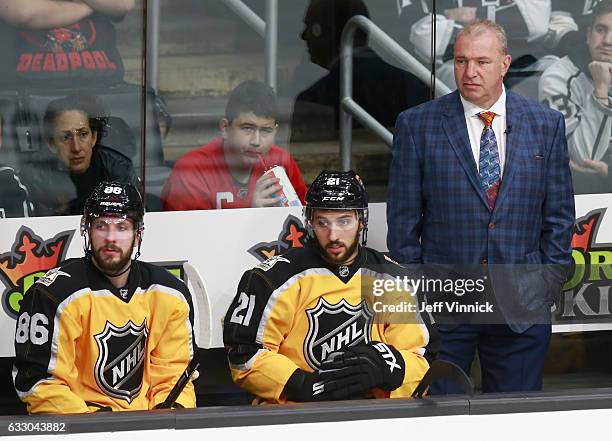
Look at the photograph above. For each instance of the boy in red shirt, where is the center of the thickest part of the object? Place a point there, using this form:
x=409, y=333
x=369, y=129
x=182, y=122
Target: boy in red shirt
x=228, y=171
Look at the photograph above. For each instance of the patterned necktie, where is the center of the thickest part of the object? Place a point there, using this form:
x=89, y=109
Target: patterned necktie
x=488, y=166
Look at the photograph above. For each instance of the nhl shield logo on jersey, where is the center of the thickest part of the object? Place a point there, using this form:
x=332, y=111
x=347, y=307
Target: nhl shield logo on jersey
x=120, y=365
x=333, y=327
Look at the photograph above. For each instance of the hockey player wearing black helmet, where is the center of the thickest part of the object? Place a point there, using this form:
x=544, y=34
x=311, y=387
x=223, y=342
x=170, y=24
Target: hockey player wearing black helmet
x=112, y=226
x=299, y=328
x=336, y=213
x=105, y=331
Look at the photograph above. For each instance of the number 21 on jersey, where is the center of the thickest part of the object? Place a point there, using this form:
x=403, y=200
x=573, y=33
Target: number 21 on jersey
x=243, y=312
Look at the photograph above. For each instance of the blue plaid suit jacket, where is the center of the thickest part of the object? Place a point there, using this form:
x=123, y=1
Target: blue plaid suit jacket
x=437, y=211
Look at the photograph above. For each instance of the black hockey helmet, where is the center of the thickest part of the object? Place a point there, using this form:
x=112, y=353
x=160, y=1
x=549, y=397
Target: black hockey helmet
x=338, y=190
x=114, y=198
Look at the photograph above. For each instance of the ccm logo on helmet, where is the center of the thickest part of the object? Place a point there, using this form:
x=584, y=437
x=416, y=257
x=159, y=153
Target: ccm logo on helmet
x=333, y=198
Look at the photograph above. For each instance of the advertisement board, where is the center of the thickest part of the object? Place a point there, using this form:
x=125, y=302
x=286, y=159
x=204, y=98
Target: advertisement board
x=222, y=244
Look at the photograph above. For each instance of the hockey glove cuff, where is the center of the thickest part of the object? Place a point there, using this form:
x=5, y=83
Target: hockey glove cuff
x=305, y=386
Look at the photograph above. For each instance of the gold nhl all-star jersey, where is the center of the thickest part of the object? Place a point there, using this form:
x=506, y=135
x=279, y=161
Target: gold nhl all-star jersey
x=293, y=310
x=81, y=344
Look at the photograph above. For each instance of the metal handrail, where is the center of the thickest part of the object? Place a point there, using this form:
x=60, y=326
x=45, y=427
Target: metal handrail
x=247, y=15
x=267, y=29
x=271, y=40
x=152, y=36
x=348, y=107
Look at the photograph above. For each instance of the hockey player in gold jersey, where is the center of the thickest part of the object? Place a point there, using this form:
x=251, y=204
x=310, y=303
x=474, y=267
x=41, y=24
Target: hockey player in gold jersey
x=105, y=331
x=300, y=328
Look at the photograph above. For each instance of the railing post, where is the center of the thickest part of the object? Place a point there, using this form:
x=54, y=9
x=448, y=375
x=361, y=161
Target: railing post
x=267, y=29
x=346, y=91
x=348, y=107
x=271, y=41
x=152, y=54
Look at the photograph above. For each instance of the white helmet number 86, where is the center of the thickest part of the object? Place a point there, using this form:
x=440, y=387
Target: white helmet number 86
x=112, y=190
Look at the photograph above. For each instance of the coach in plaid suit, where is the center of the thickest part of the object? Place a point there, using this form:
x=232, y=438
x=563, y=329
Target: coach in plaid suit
x=481, y=176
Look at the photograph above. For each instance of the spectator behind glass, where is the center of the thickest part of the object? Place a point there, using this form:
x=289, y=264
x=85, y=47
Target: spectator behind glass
x=578, y=85
x=60, y=44
x=526, y=22
x=61, y=182
x=381, y=89
x=228, y=171
x=14, y=196
x=568, y=23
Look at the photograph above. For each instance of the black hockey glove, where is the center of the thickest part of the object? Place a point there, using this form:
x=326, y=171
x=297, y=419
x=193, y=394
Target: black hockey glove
x=305, y=386
x=355, y=370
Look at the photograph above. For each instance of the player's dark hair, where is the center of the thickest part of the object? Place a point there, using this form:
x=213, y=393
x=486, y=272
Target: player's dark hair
x=252, y=96
x=602, y=8
x=92, y=106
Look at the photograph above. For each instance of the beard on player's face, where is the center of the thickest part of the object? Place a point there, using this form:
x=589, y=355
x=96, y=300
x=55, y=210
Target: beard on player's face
x=339, y=251
x=345, y=256
x=112, y=264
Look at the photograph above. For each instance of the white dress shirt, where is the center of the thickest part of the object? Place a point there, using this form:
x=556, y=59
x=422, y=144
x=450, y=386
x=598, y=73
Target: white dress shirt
x=475, y=126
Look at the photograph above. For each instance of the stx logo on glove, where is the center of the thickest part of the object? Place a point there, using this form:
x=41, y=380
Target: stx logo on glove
x=388, y=356
x=354, y=371
x=318, y=388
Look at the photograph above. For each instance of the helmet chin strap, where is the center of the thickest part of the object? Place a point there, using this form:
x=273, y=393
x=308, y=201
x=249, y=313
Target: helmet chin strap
x=137, y=255
x=90, y=256
x=127, y=268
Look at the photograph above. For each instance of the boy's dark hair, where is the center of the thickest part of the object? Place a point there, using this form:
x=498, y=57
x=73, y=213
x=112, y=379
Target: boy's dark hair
x=604, y=7
x=252, y=96
x=90, y=105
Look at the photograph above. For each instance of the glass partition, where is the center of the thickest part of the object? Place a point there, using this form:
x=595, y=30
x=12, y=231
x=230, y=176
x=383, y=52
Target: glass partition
x=72, y=87
x=199, y=129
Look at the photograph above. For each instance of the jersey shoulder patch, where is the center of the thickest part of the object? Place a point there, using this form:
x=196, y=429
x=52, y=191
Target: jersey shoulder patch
x=269, y=264
x=278, y=269
x=51, y=275
x=388, y=259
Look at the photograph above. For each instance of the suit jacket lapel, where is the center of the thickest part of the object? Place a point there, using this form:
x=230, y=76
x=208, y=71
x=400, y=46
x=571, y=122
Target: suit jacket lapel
x=454, y=126
x=515, y=121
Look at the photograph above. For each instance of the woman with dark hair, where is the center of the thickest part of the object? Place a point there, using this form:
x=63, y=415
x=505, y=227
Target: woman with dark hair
x=72, y=126
x=72, y=129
